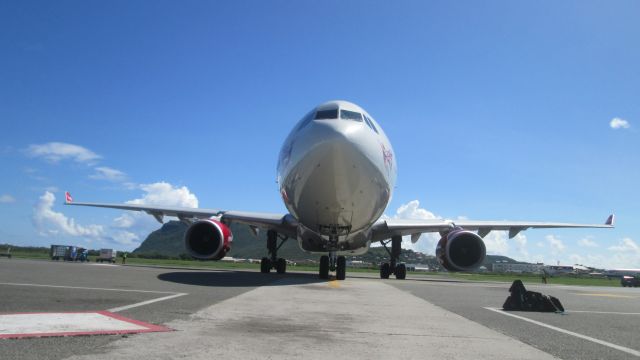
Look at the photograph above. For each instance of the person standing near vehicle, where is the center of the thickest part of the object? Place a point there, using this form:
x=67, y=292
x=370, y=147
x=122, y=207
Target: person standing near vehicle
x=124, y=257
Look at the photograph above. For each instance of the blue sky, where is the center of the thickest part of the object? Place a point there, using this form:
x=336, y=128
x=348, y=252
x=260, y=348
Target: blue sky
x=497, y=110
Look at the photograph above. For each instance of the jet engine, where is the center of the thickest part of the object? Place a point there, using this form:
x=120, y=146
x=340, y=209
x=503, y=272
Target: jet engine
x=461, y=250
x=208, y=239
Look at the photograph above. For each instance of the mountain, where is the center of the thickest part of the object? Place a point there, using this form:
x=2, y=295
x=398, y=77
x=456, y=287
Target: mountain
x=168, y=241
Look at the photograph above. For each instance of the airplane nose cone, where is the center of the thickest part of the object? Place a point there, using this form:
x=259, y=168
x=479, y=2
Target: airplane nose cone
x=333, y=183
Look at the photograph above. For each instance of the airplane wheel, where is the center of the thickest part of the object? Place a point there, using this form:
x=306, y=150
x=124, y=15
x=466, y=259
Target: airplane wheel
x=265, y=265
x=341, y=270
x=385, y=270
x=401, y=271
x=324, y=267
x=281, y=266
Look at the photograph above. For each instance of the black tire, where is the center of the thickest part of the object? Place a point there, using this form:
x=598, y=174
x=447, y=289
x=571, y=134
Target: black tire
x=385, y=270
x=281, y=266
x=401, y=271
x=324, y=267
x=265, y=265
x=341, y=269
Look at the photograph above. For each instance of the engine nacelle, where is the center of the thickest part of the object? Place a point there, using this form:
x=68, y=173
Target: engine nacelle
x=208, y=239
x=461, y=250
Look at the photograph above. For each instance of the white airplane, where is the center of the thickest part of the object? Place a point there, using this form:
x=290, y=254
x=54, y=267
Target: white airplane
x=336, y=174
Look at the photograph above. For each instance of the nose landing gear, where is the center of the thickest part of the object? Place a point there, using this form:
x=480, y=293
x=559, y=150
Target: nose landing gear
x=333, y=263
x=392, y=267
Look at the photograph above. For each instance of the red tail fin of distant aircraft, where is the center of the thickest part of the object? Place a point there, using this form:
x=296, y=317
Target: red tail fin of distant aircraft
x=67, y=197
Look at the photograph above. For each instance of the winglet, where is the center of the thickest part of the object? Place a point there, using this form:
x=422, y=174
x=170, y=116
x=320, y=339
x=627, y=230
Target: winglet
x=67, y=198
x=610, y=220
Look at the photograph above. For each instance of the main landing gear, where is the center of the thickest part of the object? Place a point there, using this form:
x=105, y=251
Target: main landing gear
x=273, y=262
x=333, y=263
x=393, y=267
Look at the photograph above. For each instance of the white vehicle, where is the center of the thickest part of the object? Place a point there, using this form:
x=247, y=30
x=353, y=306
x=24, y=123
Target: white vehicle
x=336, y=174
x=108, y=255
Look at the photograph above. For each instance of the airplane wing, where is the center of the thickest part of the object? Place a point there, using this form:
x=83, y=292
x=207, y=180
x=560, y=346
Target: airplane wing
x=283, y=223
x=386, y=228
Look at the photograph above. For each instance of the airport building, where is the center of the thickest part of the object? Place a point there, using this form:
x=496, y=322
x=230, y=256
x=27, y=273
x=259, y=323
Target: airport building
x=517, y=268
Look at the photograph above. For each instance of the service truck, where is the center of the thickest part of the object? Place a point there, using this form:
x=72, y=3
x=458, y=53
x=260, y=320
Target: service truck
x=108, y=255
x=58, y=252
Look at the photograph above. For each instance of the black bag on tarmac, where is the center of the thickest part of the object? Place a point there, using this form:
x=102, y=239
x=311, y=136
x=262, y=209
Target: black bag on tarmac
x=523, y=300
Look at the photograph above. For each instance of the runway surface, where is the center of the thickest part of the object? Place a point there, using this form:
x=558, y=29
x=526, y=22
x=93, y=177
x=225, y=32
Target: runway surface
x=246, y=314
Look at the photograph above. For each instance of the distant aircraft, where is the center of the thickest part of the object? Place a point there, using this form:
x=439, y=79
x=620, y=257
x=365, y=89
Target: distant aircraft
x=336, y=173
x=621, y=272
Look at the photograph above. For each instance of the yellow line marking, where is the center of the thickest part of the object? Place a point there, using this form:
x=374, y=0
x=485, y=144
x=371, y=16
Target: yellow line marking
x=607, y=295
x=334, y=284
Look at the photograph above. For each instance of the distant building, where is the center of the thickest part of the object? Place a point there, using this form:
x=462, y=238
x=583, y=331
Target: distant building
x=516, y=268
x=357, y=264
x=560, y=269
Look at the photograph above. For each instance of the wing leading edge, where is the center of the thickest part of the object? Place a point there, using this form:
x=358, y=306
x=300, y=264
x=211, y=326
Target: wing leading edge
x=385, y=229
x=283, y=223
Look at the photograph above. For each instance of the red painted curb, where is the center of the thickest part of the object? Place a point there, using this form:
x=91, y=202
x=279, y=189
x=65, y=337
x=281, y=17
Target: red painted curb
x=148, y=327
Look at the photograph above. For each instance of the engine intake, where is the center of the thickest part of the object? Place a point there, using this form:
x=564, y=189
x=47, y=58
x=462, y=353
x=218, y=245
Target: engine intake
x=208, y=239
x=461, y=250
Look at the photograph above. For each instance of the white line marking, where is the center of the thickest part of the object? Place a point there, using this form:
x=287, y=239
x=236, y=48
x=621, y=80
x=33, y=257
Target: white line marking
x=127, y=307
x=601, y=312
x=588, y=338
x=90, y=288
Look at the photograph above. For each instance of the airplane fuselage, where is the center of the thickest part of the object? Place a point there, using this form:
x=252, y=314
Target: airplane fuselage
x=336, y=174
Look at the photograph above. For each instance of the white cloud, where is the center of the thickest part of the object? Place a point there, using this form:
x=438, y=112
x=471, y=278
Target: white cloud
x=520, y=241
x=126, y=238
x=428, y=241
x=50, y=222
x=107, y=173
x=557, y=246
x=626, y=254
x=412, y=210
x=124, y=221
x=125, y=230
x=135, y=226
x=577, y=259
x=165, y=194
x=587, y=242
x=7, y=199
x=497, y=243
x=57, y=151
x=625, y=246
x=617, y=123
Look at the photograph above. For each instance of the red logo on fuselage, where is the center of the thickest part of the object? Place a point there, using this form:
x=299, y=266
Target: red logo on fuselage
x=387, y=156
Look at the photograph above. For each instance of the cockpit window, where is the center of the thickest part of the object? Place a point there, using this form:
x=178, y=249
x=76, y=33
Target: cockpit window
x=326, y=114
x=370, y=123
x=307, y=119
x=350, y=115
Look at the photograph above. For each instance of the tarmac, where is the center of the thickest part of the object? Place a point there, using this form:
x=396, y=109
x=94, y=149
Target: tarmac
x=245, y=314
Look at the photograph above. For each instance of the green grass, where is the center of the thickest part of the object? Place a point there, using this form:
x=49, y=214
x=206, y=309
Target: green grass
x=506, y=278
